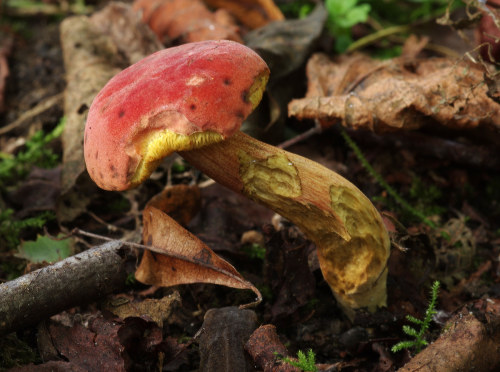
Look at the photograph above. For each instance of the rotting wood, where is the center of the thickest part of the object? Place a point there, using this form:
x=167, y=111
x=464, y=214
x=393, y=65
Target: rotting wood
x=466, y=344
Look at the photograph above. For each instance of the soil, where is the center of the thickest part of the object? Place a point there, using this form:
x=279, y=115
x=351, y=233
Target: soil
x=462, y=254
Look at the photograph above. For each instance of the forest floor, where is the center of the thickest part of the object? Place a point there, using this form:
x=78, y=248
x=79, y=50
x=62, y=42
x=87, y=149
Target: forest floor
x=446, y=229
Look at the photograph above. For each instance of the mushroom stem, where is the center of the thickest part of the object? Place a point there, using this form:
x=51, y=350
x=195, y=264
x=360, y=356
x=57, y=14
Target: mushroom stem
x=353, y=244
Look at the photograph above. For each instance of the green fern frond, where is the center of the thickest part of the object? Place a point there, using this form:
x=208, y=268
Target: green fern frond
x=419, y=341
x=306, y=362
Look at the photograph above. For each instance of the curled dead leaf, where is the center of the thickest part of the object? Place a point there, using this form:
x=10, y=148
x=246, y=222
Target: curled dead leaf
x=186, y=20
x=179, y=257
x=401, y=93
x=252, y=13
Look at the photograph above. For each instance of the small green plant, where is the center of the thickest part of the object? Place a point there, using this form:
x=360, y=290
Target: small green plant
x=297, y=9
x=393, y=193
x=419, y=341
x=306, y=362
x=406, y=12
x=254, y=250
x=342, y=15
x=11, y=228
x=426, y=197
x=35, y=153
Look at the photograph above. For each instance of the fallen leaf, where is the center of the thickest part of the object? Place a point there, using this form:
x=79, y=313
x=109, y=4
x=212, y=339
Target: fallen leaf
x=122, y=24
x=52, y=366
x=157, y=309
x=143, y=341
x=396, y=94
x=181, y=202
x=285, y=46
x=179, y=257
x=93, y=350
x=488, y=31
x=45, y=249
x=94, y=50
x=186, y=21
x=252, y=13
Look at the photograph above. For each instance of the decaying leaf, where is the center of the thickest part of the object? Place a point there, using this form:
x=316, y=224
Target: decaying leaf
x=186, y=259
x=252, y=13
x=94, y=49
x=285, y=46
x=123, y=25
x=488, y=31
x=400, y=93
x=45, y=249
x=186, y=21
x=157, y=309
x=181, y=202
x=93, y=349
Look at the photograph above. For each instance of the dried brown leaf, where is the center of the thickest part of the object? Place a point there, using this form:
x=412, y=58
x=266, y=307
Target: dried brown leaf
x=396, y=94
x=181, y=202
x=179, y=257
x=488, y=31
x=186, y=21
x=157, y=309
x=95, y=49
x=97, y=349
x=252, y=13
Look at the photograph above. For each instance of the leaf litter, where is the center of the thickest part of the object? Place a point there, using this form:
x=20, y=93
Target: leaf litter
x=403, y=94
x=398, y=94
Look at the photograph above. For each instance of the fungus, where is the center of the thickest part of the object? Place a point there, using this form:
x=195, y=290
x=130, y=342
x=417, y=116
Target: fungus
x=193, y=99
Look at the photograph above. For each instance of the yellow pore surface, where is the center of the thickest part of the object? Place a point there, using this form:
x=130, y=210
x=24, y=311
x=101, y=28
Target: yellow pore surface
x=160, y=144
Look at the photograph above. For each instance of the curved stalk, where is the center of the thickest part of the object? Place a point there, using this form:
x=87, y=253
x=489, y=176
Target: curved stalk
x=353, y=244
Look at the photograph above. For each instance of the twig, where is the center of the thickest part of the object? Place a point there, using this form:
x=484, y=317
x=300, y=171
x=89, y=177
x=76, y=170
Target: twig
x=77, y=280
x=301, y=137
x=37, y=110
x=185, y=259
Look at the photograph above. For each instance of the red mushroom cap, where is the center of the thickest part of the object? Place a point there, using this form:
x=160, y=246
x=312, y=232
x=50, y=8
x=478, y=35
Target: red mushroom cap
x=177, y=99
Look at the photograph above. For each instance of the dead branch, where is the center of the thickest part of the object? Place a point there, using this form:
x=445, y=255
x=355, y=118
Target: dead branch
x=77, y=280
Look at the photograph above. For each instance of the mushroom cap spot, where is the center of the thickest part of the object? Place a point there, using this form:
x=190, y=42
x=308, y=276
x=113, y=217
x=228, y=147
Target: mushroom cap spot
x=174, y=93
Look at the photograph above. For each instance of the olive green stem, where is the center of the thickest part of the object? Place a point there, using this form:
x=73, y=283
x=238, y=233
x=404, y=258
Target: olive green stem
x=378, y=35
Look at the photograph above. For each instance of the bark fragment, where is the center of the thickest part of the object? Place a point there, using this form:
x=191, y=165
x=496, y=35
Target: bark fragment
x=224, y=333
x=469, y=342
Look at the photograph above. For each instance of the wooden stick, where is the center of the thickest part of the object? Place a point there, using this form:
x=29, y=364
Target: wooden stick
x=77, y=280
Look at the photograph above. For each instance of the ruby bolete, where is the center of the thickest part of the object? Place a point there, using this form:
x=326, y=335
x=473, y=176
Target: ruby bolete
x=176, y=99
x=192, y=99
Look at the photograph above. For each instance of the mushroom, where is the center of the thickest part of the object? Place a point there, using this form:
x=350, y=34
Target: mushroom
x=192, y=99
